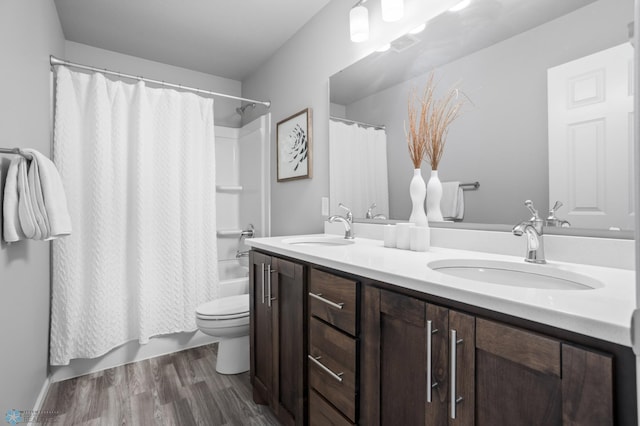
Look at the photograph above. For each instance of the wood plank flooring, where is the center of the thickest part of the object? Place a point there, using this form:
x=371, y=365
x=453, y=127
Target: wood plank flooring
x=177, y=389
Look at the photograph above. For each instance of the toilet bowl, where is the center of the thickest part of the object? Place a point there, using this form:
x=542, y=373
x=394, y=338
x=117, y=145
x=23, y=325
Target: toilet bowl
x=228, y=319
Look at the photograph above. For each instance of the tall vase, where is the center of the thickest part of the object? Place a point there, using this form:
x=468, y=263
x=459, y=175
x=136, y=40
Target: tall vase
x=418, y=191
x=434, y=196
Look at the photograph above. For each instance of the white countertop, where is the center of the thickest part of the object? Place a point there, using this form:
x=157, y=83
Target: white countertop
x=603, y=313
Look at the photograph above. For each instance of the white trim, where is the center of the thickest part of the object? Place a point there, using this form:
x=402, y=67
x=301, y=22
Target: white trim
x=37, y=406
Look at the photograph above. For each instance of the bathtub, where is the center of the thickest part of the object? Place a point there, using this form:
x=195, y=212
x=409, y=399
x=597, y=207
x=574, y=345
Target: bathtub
x=234, y=278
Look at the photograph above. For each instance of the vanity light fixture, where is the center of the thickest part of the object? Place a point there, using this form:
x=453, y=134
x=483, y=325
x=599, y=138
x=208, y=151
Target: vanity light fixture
x=458, y=7
x=392, y=10
x=420, y=28
x=359, y=22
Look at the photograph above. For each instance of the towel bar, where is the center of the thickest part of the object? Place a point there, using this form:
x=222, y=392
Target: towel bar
x=14, y=151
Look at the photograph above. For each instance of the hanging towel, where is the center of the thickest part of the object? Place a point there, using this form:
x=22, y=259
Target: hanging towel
x=11, y=220
x=49, y=214
x=452, y=203
x=35, y=204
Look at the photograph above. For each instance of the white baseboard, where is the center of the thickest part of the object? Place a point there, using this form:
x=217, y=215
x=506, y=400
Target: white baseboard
x=37, y=406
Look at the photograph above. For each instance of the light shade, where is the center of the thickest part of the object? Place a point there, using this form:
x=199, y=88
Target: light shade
x=359, y=24
x=392, y=10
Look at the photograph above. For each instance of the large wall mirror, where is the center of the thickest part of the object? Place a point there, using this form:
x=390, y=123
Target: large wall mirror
x=550, y=116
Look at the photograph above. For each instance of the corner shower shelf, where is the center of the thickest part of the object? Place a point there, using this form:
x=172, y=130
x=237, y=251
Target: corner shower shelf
x=229, y=232
x=228, y=188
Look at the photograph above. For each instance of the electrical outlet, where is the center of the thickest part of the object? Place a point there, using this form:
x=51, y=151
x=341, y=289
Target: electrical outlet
x=325, y=206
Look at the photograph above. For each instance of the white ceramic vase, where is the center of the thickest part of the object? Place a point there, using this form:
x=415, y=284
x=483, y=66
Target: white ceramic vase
x=434, y=197
x=418, y=191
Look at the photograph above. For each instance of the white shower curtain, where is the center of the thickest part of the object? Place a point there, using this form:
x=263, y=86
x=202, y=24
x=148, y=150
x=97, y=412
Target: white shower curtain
x=358, y=175
x=138, y=164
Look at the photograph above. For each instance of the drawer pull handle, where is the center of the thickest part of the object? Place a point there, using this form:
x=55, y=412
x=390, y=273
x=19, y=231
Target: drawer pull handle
x=337, y=376
x=269, y=297
x=455, y=399
x=263, y=280
x=430, y=383
x=327, y=301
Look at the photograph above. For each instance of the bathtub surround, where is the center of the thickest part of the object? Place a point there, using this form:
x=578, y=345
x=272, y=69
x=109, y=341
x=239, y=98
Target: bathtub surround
x=137, y=163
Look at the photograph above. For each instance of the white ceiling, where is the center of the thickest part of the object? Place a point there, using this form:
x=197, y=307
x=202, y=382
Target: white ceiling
x=226, y=38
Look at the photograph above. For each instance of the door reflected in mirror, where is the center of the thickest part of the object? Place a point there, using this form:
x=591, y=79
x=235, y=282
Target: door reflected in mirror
x=550, y=116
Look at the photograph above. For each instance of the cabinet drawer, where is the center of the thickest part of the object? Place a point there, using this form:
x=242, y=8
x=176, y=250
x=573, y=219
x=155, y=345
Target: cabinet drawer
x=321, y=413
x=333, y=299
x=333, y=374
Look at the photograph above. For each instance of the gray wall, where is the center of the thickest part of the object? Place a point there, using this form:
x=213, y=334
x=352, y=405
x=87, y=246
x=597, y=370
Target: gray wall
x=29, y=32
x=224, y=109
x=296, y=77
x=500, y=140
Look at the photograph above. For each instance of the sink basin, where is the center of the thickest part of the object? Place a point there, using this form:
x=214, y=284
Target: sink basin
x=319, y=241
x=515, y=274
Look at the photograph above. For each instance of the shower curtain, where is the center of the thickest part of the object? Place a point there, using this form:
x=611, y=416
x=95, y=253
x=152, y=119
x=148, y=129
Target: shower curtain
x=138, y=164
x=358, y=178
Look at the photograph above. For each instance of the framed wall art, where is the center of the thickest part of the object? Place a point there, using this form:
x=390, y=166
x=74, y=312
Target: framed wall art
x=293, y=146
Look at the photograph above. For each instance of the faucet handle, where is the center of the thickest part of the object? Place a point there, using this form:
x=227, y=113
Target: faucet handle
x=348, y=210
x=534, y=212
x=555, y=208
x=369, y=214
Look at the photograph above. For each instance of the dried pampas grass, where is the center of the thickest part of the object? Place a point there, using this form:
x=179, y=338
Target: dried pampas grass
x=429, y=121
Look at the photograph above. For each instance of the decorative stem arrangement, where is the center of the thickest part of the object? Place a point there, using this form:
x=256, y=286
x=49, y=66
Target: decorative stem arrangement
x=429, y=121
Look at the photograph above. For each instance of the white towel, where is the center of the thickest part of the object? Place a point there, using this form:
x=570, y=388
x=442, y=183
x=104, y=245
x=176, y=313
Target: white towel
x=452, y=203
x=48, y=199
x=12, y=231
x=35, y=205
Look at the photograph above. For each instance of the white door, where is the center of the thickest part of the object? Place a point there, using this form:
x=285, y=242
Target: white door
x=591, y=139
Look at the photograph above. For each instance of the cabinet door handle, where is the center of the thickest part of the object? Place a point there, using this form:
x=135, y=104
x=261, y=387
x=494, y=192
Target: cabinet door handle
x=269, y=272
x=455, y=399
x=337, y=376
x=327, y=301
x=430, y=385
x=263, y=279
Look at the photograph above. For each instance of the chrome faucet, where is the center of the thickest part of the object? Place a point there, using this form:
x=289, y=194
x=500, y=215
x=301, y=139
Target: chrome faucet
x=370, y=215
x=533, y=230
x=553, y=220
x=348, y=215
x=347, y=221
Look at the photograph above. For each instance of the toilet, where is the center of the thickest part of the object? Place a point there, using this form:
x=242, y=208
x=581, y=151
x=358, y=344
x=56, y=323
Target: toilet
x=228, y=319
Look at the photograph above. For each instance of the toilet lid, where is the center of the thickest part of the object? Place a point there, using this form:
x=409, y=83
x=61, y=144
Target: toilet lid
x=225, y=308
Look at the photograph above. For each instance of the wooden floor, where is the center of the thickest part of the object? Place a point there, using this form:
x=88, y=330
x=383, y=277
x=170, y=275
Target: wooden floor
x=177, y=389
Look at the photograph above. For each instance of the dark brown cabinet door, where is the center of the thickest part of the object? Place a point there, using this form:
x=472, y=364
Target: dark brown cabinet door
x=261, y=337
x=527, y=379
x=411, y=364
x=277, y=294
x=288, y=295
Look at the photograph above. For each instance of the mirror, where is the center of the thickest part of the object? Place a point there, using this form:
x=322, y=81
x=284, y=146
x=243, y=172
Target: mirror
x=538, y=126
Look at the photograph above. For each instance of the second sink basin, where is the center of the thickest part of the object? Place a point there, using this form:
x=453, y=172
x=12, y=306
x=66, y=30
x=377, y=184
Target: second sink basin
x=514, y=274
x=318, y=241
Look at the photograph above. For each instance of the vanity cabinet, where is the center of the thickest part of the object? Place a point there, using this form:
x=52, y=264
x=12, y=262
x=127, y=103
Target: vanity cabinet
x=414, y=355
x=332, y=359
x=430, y=365
x=277, y=334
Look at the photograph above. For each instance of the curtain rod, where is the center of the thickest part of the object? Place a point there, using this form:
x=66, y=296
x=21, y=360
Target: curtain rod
x=56, y=61
x=346, y=120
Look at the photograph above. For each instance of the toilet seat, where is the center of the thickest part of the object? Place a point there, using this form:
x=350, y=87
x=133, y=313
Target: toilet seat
x=226, y=308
